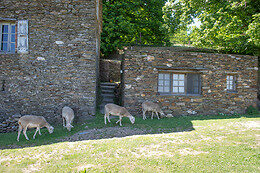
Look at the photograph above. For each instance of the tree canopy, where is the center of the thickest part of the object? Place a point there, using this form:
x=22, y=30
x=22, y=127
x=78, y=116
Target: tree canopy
x=132, y=22
x=229, y=25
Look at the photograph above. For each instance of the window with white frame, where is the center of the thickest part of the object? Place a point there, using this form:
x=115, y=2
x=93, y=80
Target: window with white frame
x=7, y=37
x=164, y=83
x=13, y=36
x=179, y=83
x=231, y=83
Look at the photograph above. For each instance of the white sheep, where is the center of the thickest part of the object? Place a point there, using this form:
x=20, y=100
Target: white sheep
x=67, y=117
x=150, y=106
x=32, y=121
x=116, y=110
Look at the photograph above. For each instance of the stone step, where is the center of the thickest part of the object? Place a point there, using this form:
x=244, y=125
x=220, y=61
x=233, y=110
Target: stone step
x=107, y=92
x=108, y=100
x=107, y=95
x=107, y=84
x=107, y=87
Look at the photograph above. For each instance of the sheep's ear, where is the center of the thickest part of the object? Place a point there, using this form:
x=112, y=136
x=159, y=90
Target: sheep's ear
x=72, y=126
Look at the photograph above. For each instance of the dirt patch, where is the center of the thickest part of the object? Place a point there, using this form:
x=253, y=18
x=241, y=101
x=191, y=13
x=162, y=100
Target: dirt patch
x=108, y=132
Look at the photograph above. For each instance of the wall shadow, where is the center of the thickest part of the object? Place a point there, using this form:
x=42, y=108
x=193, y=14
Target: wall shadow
x=96, y=129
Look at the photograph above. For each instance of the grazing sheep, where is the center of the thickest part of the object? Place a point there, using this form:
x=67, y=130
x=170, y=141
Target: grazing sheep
x=116, y=110
x=32, y=121
x=67, y=116
x=150, y=106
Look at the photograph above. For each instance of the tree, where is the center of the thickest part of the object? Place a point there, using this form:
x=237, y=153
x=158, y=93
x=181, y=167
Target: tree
x=229, y=25
x=132, y=22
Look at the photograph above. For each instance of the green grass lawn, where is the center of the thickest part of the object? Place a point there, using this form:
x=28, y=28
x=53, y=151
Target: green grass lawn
x=180, y=144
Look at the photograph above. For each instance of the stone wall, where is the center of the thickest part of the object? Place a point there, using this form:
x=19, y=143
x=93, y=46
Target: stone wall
x=61, y=66
x=110, y=70
x=142, y=64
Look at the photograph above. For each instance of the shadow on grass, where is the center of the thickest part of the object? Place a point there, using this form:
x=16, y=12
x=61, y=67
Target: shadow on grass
x=95, y=129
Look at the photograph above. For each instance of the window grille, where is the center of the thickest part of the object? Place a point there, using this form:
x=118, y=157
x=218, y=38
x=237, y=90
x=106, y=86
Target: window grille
x=7, y=37
x=231, y=83
x=164, y=83
x=179, y=83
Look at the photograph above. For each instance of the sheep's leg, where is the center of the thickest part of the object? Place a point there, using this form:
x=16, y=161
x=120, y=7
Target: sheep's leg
x=120, y=119
x=63, y=121
x=40, y=131
x=108, y=119
x=144, y=111
x=105, y=118
x=19, y=132
x=152, y=115
x=24, y=132
x=157, y=115
x=35, y=132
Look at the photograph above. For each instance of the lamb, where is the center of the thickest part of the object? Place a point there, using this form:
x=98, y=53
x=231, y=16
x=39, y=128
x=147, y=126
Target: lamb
x=32, y=121
x=116, y=110
x=150, y=106
x=67, y=116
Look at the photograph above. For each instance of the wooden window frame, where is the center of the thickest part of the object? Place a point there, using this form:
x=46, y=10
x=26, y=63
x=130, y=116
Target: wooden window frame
x=185, y=84
x=9, y=41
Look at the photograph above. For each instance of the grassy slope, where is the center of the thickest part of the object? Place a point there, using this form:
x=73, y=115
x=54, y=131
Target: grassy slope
x=215, y=145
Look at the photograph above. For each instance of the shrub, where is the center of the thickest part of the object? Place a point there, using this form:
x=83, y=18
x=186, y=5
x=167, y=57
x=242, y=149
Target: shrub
x=251, y=110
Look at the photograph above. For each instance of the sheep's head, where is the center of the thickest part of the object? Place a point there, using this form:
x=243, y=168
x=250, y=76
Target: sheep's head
x=69, y=126
x=50, y=129
x=132, y=119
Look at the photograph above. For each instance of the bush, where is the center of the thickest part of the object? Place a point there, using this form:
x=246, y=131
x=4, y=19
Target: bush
x=251, y=110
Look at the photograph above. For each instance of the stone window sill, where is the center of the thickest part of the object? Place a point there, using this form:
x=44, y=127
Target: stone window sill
x=169, y=94
x=7, y=53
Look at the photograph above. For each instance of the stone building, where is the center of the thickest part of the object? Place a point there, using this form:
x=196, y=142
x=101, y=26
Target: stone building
x=49, y=54
x=187, y=83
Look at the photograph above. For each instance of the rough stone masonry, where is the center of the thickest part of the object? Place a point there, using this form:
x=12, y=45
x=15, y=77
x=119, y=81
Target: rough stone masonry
x=61, y=64
x=143, y=64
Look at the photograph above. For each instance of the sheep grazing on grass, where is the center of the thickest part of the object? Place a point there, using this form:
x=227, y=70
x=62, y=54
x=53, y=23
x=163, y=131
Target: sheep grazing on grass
x=150, y=106
x=67, y=117
x=116, y=110
x=32, y=121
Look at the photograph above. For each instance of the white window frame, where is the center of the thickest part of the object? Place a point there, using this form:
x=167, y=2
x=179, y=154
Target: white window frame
x=164, y=82
x=178, y=86
x=178, y=83
x=9, y=41
x=231, y=83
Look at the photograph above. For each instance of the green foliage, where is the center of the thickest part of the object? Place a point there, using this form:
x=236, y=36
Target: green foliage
x=232, y=26
x=254, y=30
x=180, y=37
x=132, y=22
x=251, y=110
